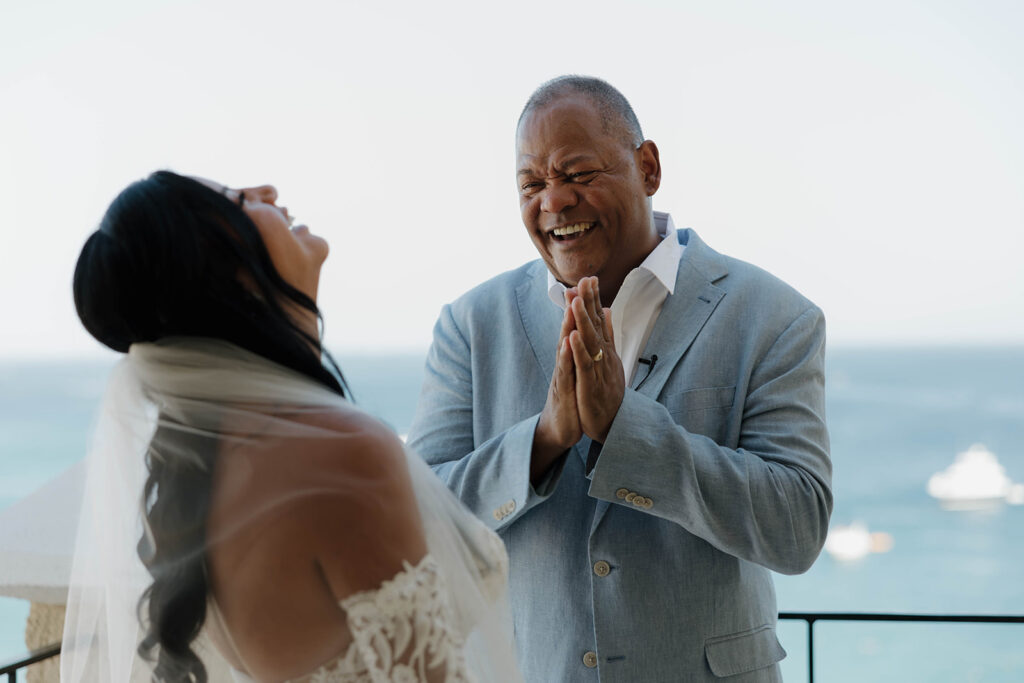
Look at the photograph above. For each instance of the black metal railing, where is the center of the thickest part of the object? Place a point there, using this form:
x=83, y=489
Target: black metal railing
x=811, y=617
x=34, y=656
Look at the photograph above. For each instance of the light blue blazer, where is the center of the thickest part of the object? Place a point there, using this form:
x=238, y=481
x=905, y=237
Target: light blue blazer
x=645, y=559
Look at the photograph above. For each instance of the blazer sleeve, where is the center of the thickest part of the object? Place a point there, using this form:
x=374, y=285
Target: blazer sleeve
x=768, y=500
x=491, y=478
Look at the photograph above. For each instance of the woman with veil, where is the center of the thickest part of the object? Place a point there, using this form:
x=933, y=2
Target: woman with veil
x=240, y=514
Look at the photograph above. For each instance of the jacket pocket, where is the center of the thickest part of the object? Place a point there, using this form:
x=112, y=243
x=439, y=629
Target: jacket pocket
x=700, y=399
x=702, y=411
x=739, y=653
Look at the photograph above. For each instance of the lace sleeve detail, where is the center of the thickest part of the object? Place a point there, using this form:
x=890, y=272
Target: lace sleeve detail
x=404, y=631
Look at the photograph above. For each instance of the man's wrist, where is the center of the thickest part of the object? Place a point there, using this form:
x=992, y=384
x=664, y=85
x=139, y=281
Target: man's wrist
x=545, y=451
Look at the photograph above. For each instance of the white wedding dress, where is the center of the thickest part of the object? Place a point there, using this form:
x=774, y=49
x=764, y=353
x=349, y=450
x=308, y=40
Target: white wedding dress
x=406, y=631
x=444, y=619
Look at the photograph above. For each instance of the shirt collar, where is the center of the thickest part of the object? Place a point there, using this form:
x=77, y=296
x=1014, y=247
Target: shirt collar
x=662, y=263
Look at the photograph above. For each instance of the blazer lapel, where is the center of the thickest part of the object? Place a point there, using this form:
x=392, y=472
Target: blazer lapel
x=682, y=317
x=541, y=318
x=684, y=313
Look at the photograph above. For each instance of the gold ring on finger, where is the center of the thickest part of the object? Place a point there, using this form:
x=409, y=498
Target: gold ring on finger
x=598, y=356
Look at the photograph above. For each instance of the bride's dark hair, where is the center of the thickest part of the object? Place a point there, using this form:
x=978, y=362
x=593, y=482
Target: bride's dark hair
x=171, y=258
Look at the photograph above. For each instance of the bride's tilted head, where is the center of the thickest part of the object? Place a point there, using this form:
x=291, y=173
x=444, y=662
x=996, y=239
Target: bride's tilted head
x=239, y=511
x=178, y=261
x=179, y=256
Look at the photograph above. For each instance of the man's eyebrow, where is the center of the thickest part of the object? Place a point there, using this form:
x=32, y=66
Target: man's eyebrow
x=574, y=160
x=562, y=163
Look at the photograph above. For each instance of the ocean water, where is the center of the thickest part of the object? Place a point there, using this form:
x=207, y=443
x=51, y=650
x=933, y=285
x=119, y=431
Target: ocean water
x=896, y=417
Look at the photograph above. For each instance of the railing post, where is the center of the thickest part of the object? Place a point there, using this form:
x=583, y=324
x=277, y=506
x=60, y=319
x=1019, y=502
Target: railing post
x=810, y=651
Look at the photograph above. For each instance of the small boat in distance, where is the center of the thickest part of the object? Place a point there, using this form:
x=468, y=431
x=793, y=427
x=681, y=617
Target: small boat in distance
x=976, y=480
x=852, y=542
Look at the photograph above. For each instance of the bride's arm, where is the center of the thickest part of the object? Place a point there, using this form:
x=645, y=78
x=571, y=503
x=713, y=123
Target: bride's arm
x=368, y=523
x=373, y=554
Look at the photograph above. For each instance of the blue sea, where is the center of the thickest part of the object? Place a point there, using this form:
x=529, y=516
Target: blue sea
x=896, y=416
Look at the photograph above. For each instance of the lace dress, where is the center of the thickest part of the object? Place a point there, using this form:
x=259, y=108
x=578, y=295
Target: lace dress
x=405, y=631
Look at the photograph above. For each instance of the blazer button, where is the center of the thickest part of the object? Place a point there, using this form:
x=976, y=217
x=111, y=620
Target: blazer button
x=621, y=493
x=590, y=659
x=602, y=568
x=630, y=497
x=497, y=515
x=648, y=503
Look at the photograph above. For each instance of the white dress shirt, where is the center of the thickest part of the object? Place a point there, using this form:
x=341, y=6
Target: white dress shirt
x=639, y=300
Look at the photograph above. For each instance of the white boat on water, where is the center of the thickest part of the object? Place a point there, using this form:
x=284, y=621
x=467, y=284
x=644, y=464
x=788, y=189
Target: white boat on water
x=974, y=481
x=852, y=542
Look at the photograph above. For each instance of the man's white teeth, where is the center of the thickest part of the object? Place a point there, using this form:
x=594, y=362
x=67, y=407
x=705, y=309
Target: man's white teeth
x=572, y=229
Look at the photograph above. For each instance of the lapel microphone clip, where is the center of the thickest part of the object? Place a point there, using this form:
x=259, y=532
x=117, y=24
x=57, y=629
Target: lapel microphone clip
x=649, y=362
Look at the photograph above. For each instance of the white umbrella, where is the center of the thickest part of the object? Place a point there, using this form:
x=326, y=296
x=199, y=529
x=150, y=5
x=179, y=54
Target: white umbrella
x=37, y=539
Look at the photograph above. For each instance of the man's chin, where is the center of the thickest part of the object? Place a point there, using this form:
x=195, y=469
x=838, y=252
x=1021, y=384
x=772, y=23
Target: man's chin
x=569, y=274
x=569, y=280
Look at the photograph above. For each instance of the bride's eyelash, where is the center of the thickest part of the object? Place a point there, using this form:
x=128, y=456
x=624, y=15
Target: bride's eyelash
x=241, y=194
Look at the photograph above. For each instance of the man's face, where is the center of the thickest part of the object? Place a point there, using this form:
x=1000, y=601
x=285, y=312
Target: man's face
x=583, y=192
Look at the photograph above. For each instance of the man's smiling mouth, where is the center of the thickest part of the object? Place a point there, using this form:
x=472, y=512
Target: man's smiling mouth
x=567, y=233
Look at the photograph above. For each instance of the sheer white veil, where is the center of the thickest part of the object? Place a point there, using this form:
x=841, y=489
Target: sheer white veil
x=183, y=403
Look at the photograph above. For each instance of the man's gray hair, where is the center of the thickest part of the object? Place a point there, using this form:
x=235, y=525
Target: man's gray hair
x=613, y=105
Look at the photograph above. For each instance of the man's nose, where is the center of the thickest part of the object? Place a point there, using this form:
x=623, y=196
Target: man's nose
x=558, y=197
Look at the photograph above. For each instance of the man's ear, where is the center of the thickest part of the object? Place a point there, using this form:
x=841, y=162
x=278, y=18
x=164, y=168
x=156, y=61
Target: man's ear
x=649, y=163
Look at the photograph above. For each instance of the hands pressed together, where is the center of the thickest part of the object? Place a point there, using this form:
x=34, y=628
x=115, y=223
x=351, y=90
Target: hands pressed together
x=588, y=382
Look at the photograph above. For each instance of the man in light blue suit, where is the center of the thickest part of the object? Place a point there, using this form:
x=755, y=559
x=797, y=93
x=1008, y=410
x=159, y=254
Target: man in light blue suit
x=640, y=417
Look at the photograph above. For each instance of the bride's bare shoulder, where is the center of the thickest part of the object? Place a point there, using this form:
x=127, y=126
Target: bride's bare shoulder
x=310, y=509
x=302, y=443
x=306, y=462
x=338, y=484
x=353, y=434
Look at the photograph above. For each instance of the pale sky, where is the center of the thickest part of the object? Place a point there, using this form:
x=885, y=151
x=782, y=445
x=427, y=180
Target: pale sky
x=869, y=153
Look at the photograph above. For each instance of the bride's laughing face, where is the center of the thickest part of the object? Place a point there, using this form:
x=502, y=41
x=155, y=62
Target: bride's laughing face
x=296, y=253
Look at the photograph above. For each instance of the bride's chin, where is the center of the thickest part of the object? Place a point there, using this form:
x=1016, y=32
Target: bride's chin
x=319, y=246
